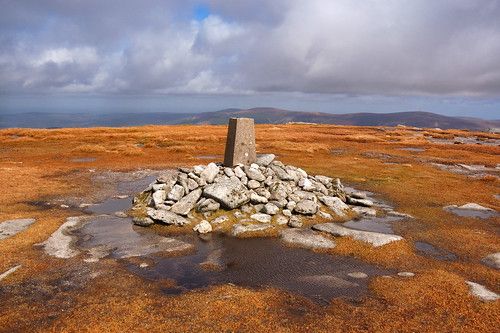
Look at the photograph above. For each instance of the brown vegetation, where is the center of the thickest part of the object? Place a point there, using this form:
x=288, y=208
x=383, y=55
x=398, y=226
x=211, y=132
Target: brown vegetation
x=38, y=165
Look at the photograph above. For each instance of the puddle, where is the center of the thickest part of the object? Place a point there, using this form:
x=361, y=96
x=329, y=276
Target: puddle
x=465, y=140
x=263, y=262
x=474, y=213
x=414, y=149
x=209, y=157
x=434, y=252
x=110, y=206
x=84, y=160
x=375, y=224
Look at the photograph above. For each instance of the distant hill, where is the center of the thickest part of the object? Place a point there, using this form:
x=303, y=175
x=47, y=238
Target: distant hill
x=279, y=116
x=261, y=116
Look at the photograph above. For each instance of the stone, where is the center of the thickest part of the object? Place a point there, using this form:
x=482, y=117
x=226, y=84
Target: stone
x=255, y=174
x=9, y=271
x=359, y=202
x=265, y=159
x=253, y=184
x=59, y=243
x=492, y=260
x=306, y=238
x=287, y=212
x=280, y=172
x=198, y=169
x=334, y=204
x=184, y=206
x=11, y=227
x=229, y=172
x=281, y=220
x=207, y=205
x=481, y=292
x=167, y=217
x=358, y=195
x=270, y=209
x=238, y=172
x=257, y=199
x=220, y=219
x=176, y=193
x=248, y=229
x=374, y=238
x=365, y=211
x=261, y=217
x=192, y=184
x=159, y=197
x=142, y=221
x=229, y=193
x=406, y=274
x=357, y=275
x=240, y=142
x=325, y=215
x=306, y=207
x=203, y=227
x=326, y=181
x=121, y=214
x=306, y=184
x=159, y=187
x=295, y=222
x=291, y=205
x=210, y=172
x=474, y=206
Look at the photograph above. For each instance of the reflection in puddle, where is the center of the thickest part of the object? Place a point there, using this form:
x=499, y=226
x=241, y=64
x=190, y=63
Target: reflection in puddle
x=434, y=252
x=375, y=224
x=262, y=262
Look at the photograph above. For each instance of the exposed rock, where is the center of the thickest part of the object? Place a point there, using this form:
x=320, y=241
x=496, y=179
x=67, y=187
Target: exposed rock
x=281, y=220
x=359, y=202
x=270, y=209
x=253, y=184
x=306, y=238
x=406, y=274
x=184, y=205
x=229, y=172
x=207, y=205
x=255, y=174
x=159, y=197
x=326, y=181
x=492, y=260
x=365, y=211
x=167, y=217
x=374, y=238
x=287, y=212
x=229, y=193
x=265, y=160
x=295, y=222
x=261, y=217
x=192, y=184
x=257, y=199
x=474, y=206
x=306, y=184
x=482, y=292
x=334, y=204
x=11, y=227
x=238, y=171
x=280, y=172
x=143, y=221
x=9, y=271
x=58, y=244
x=220, y=219
x=325, y=215
x=210, y=172
x=176, y=193
x=357, y=275
x=306, y=207
x=203, y=227
x=248, y=229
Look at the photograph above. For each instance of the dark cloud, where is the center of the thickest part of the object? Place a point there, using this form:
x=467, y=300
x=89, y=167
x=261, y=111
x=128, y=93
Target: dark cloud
x=448, y=47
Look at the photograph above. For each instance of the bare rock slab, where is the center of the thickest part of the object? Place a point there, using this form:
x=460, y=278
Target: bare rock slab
x=481, y=292
x=11, y=227
x=167, y=217
x=184, y=206
x=492, y=260
x=230, y=193
x=306, y=238
x=248, y=229
x=374, y=238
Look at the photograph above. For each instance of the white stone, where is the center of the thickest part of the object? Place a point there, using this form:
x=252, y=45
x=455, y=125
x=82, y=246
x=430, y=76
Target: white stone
x=210, y=173
x=374, y=238
x=306, y=238
x=261, y=217
x=481, y=292
x=270, y=209
x=11, y=227
x=492, y=260
x=203, y=227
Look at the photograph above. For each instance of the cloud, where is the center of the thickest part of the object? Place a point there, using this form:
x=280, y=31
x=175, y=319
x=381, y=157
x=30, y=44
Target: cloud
x=448, y=47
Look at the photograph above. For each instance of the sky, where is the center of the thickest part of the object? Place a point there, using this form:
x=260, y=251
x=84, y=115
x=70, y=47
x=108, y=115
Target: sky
x=335, y=56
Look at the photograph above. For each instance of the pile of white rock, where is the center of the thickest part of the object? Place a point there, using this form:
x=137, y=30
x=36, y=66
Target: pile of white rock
x=264, y=192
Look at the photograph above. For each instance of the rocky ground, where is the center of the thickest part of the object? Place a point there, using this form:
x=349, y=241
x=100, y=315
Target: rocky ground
x=408, y=245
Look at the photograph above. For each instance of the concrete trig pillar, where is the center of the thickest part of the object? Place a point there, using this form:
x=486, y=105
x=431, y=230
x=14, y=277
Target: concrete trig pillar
x=240, y=142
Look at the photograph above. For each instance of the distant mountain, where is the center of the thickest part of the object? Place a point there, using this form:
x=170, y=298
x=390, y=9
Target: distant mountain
x=279, y=116
x=261, y=116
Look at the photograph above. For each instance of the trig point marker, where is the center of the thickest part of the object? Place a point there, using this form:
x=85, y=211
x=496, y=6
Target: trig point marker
x=240, y=142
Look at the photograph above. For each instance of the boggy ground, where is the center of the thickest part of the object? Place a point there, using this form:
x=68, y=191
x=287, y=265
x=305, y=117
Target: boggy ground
x=49, y=294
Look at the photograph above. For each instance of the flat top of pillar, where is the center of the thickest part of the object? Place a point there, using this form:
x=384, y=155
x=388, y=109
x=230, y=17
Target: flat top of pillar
x=242, y=119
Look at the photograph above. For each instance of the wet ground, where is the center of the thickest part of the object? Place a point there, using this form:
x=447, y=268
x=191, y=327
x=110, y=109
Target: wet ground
x=197, y=262
x=434, y=252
